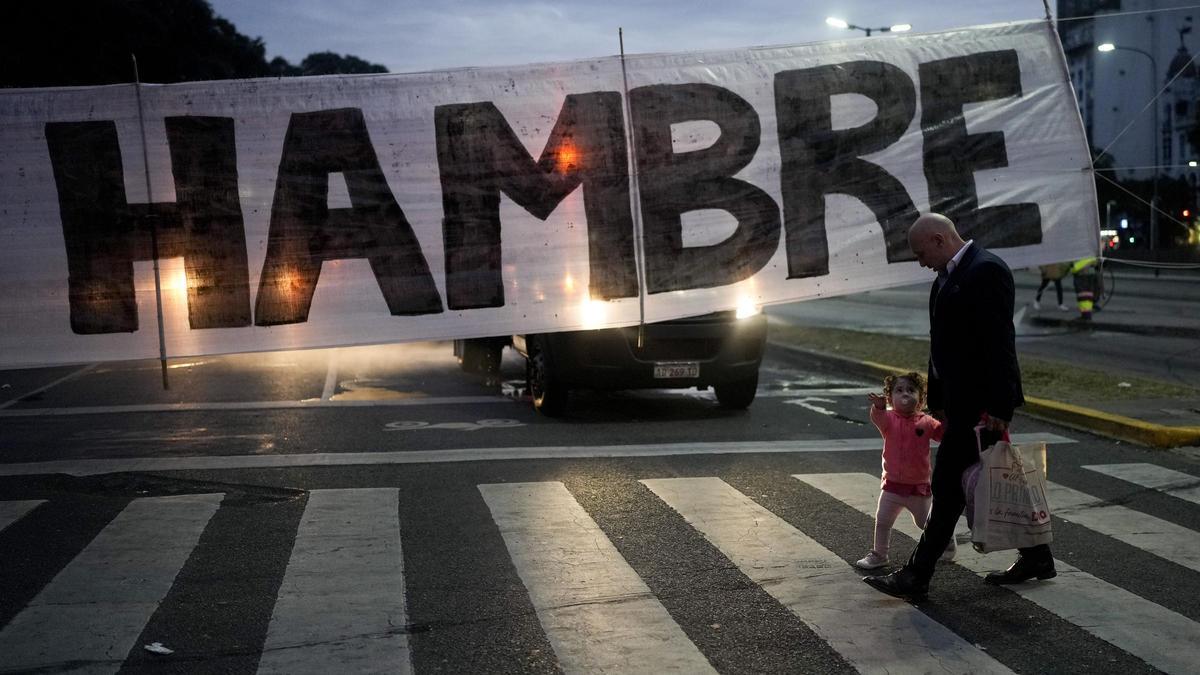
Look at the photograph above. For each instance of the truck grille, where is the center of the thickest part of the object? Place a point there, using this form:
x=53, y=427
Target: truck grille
x=674, y=349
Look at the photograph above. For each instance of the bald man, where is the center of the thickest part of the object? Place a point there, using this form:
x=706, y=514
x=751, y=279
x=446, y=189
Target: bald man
x=973, y=378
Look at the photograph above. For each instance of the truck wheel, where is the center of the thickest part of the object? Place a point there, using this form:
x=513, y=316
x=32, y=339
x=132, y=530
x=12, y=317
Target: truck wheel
x=479, y=356
x=549, y=395
x=737, y=395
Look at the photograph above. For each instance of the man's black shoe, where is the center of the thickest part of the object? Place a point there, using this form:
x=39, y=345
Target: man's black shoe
x=1024, y=569
x=900, y=584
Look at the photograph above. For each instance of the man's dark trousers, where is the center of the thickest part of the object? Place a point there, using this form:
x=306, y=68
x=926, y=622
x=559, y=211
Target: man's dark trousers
x=957, y=452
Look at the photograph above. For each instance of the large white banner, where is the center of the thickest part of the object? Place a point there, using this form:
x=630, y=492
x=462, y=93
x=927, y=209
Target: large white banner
x=345, y=210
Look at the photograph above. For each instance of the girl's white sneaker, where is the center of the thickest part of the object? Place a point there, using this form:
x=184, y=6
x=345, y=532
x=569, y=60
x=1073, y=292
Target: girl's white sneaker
x=871, y=561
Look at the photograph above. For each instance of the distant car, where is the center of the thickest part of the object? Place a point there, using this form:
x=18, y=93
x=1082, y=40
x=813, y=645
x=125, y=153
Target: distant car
x=716, y=350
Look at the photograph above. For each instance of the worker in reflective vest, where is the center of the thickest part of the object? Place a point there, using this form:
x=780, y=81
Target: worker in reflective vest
x=1084, y=272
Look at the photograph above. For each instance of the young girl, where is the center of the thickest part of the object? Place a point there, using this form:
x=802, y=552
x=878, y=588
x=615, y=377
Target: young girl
x=906, y=435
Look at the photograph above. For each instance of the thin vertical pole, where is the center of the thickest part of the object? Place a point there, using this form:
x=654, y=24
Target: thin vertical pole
x=1046, y=4
x=162, y=338
x=634, y=198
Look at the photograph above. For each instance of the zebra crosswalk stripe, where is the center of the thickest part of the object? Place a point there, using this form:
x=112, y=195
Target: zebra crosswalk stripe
x=341, y=603
x=1175, y=483
x=91, y=614
x=818, y=586
x=596, y=611
x=1154, y=535
x=1109, y=612
x=341, y=607
x=91, y=467
x=11, y=512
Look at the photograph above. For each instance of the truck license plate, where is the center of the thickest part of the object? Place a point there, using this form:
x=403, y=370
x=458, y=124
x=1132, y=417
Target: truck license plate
x=676, y=369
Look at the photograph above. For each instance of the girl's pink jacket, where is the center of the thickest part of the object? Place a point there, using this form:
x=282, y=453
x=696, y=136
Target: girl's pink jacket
x=906, y=445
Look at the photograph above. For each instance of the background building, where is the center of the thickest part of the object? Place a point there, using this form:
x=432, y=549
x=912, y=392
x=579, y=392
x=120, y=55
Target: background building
x=1138, y=101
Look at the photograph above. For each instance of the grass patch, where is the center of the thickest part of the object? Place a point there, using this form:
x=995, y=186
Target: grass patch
x=1040, y=378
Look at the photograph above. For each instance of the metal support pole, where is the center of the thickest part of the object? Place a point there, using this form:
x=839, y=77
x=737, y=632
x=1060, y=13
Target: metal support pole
x=635, y=199
x=162, y=340
x=1154, y=197
x=1156, y=136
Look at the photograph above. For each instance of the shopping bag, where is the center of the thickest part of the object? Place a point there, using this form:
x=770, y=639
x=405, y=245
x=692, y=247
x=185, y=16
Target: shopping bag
x=1010, y=506
x=970, y=479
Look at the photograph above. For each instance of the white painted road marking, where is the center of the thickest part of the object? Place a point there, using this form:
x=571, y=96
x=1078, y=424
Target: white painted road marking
x=1175, y=483
x=808, y=402
x=881, y=633
x=65, y=378
x=1109, y=612
x=1153, y=535
x=89, y=467
x=596, y=611
x=11, y=512
x=326, y=402
x=91, y=614
x=249, y=405
x=341, y=607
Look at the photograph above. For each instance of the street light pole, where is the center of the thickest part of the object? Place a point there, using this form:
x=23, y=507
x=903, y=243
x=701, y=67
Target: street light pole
x=841, y=23
x=1154, y=139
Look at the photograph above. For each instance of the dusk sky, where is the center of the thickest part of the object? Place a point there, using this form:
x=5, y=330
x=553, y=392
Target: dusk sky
x=407, y=36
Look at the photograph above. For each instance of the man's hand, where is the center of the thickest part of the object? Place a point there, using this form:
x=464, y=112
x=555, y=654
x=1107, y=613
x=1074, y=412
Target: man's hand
x=996, y=424
x=878, y=401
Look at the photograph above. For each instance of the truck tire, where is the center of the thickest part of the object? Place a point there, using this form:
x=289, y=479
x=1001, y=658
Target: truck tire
x=548, y=394
x=737, y=395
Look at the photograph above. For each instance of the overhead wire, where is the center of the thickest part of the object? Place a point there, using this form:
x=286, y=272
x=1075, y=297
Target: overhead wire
x=1132, y=12
x=1153, y=101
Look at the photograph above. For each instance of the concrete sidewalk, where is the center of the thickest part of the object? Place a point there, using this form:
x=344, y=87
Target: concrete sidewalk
x=1141, y=304
x=1116, y=317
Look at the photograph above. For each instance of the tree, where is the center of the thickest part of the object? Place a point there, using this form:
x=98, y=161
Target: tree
x=323, y=63
x=329, y=63
x=88, y=42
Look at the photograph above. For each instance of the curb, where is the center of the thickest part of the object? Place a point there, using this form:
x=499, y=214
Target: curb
x=1090, y=420
x=1108, y=327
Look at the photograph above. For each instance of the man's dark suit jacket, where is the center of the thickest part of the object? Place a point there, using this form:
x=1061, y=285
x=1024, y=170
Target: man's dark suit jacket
x=972, y=346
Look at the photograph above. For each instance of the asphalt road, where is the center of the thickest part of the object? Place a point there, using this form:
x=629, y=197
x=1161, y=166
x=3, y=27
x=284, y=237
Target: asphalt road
x=244, y=520
x=903, y=311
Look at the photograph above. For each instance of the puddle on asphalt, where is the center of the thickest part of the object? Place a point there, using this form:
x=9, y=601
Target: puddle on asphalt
x=771, y=380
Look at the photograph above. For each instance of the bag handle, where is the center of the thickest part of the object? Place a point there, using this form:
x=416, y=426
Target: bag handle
x=1019, y=462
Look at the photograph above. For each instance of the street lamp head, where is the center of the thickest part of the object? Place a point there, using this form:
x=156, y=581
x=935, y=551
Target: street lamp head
x=1106, y=47
x=842, y=23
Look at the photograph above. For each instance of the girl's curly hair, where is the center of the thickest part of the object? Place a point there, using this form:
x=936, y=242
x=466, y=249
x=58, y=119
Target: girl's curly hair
x=917, y=379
